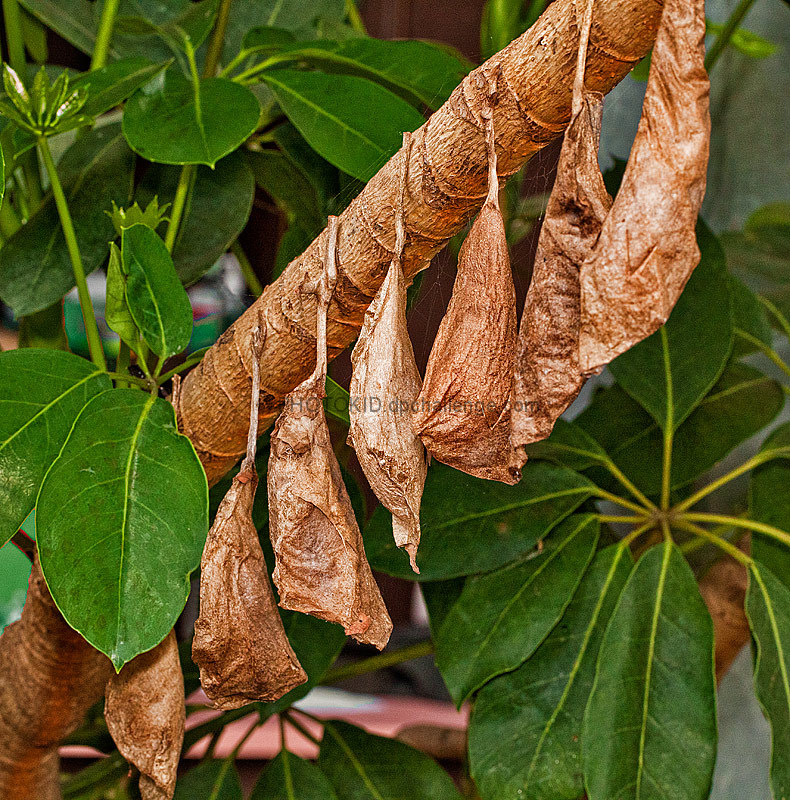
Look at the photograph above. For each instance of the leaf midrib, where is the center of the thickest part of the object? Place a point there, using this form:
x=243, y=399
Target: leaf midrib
x=125, y=517
x=355, y=762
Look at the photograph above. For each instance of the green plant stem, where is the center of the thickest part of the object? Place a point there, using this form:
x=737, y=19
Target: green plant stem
x=381, y=661
x=355, y=18
x=126, y=378
x=195, y=358
x=749, y=524
x=86, y=304
x=720, y=542
x=299, y=727
x=636, y=533
x=179, y=203
x=194, y=735
x=723, y=39
x=104, y=35
x=240, y=58
x=777, y=314
x=616, y=519
x=625, y=482
x=765, y=350
x=620, y=501
x=9, y=219
x=253, y=284
x=754, y=461
x=214, y=52
x=124, y=359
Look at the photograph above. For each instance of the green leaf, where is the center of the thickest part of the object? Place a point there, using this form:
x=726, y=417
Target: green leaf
x=471, y=525
x=742, y=402
x=336, y=401
x=169, y=122
x=41, y=394
x=216, y=212
x=116, y=309
x=768, y=610
x=107, y=507
x=502, y=617
x=2, y=175
x=212, y=780
x=35, y=268
x=361, y=766
x=650, y=724
x=420, y=72
x=289, y=777
x=264, y=38
x=769, y=502
x=750, y=324
x=440, y=597
x=353, y=123
x=750, y=44
x=111, y=85
x=157, y=300
x=192, y=24
x=569, y=445
x=672, y=370
x=72, y=19
x=537, y=711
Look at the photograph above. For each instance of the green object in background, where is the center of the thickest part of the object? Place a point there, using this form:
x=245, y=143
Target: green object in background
x=14, y=574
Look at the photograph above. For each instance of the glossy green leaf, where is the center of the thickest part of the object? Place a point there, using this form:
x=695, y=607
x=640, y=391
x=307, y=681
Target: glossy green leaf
x=35, y=268
x=768, y=610
x=336, y=401
x=650, y=724
x=212, y=780
x=168, y=122
x=769, y=502
x=106, y=505
x=192, y=23
x=353, y=123
x=750, y=325
x=471, y=525
x=111, y=85
x=440, y=597
x=216, y=212
x=289, y=777
x=537, y=711
x=72, y=19
x=361, y=766
x=41, y=394
x=502, y=617
x=116, y=309
x=266, y=37
x=420, y=72
x=742, y=402
x=672, y=370
x=157, y=300
x=570, y=445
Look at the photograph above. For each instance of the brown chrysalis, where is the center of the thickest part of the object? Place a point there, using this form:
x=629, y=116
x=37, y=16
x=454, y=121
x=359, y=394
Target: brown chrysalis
x=463, y=411
x=321, y=568
x=547, y=376
x=145, y=714
x=647, y=248
x=240, y=644
x=384, y=387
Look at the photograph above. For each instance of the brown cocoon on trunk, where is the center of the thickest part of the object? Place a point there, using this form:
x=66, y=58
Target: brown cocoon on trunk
x=647, y=248
x=321, y=568
x=463, y=411
x=145, y=713
x=240, y=644
x=384, y=387
x=50, y=676
x=547, y=377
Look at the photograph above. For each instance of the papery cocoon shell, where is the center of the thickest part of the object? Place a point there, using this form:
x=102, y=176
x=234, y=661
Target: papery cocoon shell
x=547, y=377
x=647, y=248
x=321, y=568
x=385, y=384
x=145, y=714
x=240, y=644
x=463, y=411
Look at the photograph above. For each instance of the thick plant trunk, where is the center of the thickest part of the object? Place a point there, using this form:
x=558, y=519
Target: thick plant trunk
x=446, y=185
x=49, y=677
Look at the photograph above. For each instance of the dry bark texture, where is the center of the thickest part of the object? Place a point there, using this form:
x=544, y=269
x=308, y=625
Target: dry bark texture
x=240, y=644
x=145, y=713
x=321, y=568
x=463, y=412
x=384, y=387
x=446, y=185
x=49, y=677
x=647, y=248
x=547, y=376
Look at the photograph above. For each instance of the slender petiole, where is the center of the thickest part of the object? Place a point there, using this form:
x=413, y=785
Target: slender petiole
x=749, y=524
x=719, y=541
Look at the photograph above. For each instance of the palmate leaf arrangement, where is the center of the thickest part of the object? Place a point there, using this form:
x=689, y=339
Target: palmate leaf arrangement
x=580, y=636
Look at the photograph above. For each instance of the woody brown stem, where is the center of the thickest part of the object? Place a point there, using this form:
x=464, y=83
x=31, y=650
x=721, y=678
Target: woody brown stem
x=447, y=176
